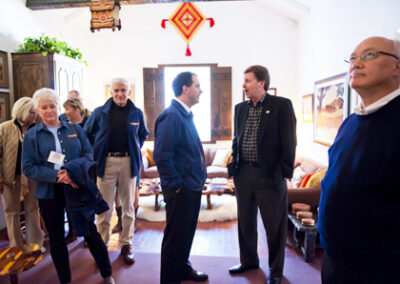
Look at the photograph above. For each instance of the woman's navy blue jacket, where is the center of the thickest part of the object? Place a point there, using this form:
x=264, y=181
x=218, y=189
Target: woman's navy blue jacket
x=39, y=142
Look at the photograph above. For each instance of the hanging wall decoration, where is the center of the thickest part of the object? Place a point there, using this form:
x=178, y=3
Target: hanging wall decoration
x=187, y=19
x=105, y=14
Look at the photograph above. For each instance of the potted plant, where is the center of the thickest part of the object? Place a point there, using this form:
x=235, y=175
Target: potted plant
x=46, y=44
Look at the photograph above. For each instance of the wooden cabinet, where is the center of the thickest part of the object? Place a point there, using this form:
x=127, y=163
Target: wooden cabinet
x=32, y=71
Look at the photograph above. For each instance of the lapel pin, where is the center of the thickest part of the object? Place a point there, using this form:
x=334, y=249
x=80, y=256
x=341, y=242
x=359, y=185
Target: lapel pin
x=267, y=111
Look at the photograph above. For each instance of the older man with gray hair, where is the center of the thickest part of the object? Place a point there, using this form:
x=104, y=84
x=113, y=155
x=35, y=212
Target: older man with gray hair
x=359, y=209
x=117, y=131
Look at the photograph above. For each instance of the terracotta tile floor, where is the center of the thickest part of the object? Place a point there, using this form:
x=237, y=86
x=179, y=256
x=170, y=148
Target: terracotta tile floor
x=215, y=249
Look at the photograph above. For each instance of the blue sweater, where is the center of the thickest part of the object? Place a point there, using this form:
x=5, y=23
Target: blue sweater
x=178, y=151
x=360, y=202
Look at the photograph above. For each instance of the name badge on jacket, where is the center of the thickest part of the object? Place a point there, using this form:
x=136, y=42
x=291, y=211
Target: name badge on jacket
x=56, y=158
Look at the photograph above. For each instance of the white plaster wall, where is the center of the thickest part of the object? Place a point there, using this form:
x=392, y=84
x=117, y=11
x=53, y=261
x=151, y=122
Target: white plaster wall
x=245, y=33
x=327, y=36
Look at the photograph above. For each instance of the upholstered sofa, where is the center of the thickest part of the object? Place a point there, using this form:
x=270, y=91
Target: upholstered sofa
x=309, y=195
x=149, y=170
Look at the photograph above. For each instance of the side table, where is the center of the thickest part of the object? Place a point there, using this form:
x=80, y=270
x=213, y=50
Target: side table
x=151, y=188
x=310, y=237
x=15, y=260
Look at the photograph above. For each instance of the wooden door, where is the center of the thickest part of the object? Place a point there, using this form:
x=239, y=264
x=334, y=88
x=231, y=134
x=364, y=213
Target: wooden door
x=153, y=88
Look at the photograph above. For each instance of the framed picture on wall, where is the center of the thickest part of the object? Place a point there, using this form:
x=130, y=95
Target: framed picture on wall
x=4, y=107
x=307, y=108
x=108, y=92
x=330, y=107
x=3, y=70
x=271, y=91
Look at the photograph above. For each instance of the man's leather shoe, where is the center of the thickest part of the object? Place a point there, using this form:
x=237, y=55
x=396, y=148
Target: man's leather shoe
x=127, y=254
x=196, y=276
x=241, y=268
x=274, y=280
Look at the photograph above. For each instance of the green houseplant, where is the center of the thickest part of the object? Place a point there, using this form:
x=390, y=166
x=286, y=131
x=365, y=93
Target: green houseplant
x=46, y=44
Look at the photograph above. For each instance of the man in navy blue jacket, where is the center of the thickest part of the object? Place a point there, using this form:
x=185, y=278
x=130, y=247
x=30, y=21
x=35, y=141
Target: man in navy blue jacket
x=359, y=210
x=180, y=160
x=117, y=131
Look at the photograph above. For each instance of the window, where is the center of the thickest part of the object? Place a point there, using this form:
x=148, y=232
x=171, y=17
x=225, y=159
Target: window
x=213, y=115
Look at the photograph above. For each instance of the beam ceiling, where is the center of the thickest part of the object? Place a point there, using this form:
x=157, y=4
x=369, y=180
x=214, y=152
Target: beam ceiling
x=54, y=4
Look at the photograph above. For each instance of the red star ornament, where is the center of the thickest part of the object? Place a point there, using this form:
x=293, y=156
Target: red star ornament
x=187, y=19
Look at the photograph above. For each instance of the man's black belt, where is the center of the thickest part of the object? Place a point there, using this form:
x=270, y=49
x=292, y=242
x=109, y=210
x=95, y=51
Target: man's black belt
x=117, y=154
x=251, y=164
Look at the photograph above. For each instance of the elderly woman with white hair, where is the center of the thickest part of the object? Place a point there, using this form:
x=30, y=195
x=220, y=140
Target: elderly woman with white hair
x=52, y=152
x=12, y=182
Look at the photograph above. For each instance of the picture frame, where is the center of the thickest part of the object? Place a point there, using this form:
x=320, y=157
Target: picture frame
x=308, y=108
x=4, y=107
x=131, y=92
x=4, y=81
x=330, y=107
x=271, y=91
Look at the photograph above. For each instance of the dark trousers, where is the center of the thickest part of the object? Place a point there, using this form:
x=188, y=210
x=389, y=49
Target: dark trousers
x=182, y=212
x=254, y=191
x=336, y=272
x=52, y=211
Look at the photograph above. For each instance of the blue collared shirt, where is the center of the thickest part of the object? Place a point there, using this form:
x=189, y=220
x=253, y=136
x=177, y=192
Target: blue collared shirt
x=39, y=142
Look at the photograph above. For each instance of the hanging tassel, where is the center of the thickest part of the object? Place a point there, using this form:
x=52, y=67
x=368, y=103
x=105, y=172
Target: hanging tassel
x=188, y=52
x=163, y=23
x=212, y=23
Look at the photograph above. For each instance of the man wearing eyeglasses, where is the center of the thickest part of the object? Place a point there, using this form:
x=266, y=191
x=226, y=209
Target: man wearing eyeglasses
x=117, y=131
x=359, y=209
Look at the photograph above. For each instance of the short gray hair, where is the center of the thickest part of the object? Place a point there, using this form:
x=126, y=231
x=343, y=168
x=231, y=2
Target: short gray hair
x=119, y=80
x=45, y=93
x=78, y=95
x=21, y=108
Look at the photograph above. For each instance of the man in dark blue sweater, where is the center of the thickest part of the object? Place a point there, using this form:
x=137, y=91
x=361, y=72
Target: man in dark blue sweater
x=359, y=210
x=180, y=160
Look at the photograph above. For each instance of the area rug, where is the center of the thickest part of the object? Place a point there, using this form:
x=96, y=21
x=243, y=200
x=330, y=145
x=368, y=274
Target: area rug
x=224, y=208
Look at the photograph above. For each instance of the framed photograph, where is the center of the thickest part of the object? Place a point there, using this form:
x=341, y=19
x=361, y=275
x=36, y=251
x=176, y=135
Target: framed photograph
x=271, y=91
x=330, y=107
x=108, y=92
x=307, y=108
x=4, y=107
x=3, y=70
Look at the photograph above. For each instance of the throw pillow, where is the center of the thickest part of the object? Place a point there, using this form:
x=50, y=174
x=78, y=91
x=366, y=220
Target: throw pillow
x=149, y=156
x=298, y=175
x=221, y=158
x=316, y=179
x=305, y=180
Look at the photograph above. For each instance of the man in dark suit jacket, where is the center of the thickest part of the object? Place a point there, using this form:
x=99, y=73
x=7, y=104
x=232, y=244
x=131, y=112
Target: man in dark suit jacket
x=180, y=160
x=263, y=152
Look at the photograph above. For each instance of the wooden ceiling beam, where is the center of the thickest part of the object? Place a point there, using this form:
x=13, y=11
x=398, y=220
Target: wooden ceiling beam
x=55, y=4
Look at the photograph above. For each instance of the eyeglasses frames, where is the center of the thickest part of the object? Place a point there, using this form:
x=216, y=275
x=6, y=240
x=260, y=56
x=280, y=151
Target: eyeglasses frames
x=370, y=54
